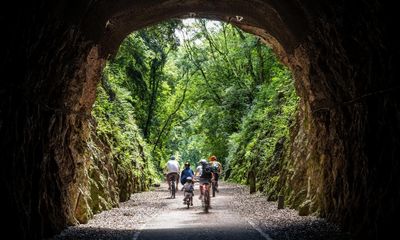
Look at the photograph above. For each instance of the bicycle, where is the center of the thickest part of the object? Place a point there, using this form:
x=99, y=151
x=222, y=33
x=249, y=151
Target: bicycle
x=171, y=178
x=173, y=189
x=188, y=199
x=206, y=197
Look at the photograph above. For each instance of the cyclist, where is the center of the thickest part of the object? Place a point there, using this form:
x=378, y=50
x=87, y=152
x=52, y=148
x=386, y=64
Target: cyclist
x=217, y=169
x=205, y=177
x=188, y=189
x=197, y=174
x=187, y=172
x=173, y=170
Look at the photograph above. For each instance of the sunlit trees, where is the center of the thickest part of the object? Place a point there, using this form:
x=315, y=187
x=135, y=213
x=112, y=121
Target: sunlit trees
x=202, y=87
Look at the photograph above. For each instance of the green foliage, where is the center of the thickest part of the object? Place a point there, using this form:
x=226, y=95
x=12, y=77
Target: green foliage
x=195, y=89
x=241, y=101
x=117, y=128
x=260, y=144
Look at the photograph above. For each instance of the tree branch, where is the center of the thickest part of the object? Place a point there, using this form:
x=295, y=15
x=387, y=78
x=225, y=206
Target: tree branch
x=190, y=51
x=171, y=115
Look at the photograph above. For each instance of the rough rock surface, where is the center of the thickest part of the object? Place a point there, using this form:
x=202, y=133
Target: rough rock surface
x=343, y=56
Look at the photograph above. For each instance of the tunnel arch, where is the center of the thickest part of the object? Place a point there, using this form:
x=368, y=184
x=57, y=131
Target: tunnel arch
x=288, y=27
x=341, y=55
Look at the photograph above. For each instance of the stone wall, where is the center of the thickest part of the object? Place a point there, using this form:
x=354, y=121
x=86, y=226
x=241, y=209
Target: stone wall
x=343, y=56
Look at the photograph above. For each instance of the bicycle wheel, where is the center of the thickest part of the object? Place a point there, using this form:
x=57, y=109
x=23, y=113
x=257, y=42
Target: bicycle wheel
x=206, y=200
x=213, y=188
x=173, y=188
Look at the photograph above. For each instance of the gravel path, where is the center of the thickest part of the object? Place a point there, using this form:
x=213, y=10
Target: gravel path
x=120, y=223
x=281, y=224
x=235, y=215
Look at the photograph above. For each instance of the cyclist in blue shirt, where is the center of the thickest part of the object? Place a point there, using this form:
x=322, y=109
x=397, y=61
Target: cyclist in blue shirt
x=187, y=172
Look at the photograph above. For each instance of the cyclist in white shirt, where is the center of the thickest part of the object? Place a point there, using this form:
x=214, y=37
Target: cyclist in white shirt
x=173, y=170
x=198, y=172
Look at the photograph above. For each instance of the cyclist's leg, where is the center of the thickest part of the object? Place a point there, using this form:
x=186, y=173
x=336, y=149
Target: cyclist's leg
x=201, y=190
x=209, y=199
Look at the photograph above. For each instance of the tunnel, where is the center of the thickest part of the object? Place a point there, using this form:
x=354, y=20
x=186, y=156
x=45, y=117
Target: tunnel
x=343, y=56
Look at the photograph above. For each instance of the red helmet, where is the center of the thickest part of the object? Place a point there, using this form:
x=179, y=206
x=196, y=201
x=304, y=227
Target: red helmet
x=213, y=158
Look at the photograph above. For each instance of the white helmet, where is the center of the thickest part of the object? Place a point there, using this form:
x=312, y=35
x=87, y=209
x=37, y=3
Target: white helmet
x=203, y=161
x=189, y=178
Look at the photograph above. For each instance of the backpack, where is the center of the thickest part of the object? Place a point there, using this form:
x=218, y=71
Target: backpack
x=215, y=167
x=207, y=172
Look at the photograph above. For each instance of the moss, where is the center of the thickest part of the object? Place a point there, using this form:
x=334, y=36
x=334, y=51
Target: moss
x=119, y=165
x=298, y=197
x=304, y=208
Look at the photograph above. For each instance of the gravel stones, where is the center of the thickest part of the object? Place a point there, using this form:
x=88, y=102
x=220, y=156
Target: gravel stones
x=279, y=224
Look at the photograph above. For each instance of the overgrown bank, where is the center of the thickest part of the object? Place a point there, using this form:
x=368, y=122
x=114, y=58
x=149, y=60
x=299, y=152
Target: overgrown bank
x=118, y=163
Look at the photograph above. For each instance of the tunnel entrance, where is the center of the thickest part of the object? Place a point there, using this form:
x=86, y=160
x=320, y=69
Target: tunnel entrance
x=194, y=88
x=342, y=56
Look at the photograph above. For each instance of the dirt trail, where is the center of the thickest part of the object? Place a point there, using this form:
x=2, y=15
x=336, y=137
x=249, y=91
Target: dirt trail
x=235, y=214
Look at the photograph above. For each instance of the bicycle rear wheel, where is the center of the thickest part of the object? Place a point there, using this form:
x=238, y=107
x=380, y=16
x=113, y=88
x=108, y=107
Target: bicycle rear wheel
x=213, y=188
x=206, y=200
x=173, y=188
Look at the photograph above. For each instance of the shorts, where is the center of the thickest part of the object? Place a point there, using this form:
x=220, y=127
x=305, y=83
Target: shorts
x=205, y=180
x=190, y=194
x=173, y=175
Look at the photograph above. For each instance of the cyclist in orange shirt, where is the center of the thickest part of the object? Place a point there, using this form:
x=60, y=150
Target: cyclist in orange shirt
x=217, y=169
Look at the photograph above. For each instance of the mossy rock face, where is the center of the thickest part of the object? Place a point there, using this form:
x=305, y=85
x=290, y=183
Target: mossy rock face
x=304, y=208
x=271, y=188
x=94, y=196
x=125, y=185
x=286, y=170
x=298, y=198
x=83, y=211
x=104, y=204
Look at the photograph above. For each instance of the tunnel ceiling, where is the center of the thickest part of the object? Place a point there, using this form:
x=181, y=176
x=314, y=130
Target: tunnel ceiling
x=111, y=22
